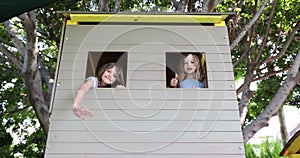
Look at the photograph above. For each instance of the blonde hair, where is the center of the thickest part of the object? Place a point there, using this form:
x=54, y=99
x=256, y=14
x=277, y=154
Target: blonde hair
x=119, y=73
x=182, y=75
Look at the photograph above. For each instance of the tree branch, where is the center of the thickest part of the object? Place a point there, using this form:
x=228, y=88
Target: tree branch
x=265, y=38
x=209, y=5
x=103, y=6
x=28, y=20
x=248, y=26
x=239, y=90
x=30, y=72
x=30, y=58
x=117, y=5
x=285, y=47
x=14, y=60
x=9, y=113
x=270, y=74
x=262, y=119
x=13, y=34
x=6, y=42
x=247, y=93
x=50, y=34
x=238, y=61
x=46, y=76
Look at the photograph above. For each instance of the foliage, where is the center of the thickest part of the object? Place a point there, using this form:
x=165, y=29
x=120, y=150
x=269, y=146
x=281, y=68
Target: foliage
x=267, y=149
x=16, y=113
x=34, y=146
x=285, y=15
x=20, y=132
x=266, y=90
x=295, y=101
x=18, y=119
x=14, y=110
x=5, y=142
x=145, y=6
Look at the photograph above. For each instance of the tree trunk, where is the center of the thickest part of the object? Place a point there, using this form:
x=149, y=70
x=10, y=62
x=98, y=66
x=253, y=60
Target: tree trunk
x=117, y=5
x=209, y=5
x=103, y=6
x=246, y=96
x=30, y=72
x=33, y=84
x=293, y=77
x=283, y=130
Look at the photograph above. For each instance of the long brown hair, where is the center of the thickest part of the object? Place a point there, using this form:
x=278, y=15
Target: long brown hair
x=182, y=75
x=119, y=74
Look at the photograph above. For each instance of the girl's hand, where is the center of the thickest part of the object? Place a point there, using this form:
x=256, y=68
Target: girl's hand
x=174, y=81
x=120, y=87
x=81, y=112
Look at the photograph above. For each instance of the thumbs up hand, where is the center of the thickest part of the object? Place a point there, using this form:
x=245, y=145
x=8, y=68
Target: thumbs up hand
x=174, y=81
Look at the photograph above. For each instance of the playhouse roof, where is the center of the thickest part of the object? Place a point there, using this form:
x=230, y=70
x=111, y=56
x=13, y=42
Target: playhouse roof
x=218, y=19
x=292, y=146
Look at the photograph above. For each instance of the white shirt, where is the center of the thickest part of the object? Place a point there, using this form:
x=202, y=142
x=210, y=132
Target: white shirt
x=94, y=79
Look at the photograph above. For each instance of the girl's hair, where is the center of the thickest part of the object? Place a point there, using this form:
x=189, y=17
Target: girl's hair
x=119, y=74
x=182, y=75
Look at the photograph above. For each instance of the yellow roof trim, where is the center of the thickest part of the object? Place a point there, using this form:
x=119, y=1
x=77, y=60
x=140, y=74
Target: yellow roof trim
x=292, y=146
x=70, y=22
x=295, y=146
x=138, y=18
x=221, y=23
x=294, y=156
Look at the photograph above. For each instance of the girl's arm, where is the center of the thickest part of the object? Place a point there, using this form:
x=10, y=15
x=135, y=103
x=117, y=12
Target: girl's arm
x=81, y=111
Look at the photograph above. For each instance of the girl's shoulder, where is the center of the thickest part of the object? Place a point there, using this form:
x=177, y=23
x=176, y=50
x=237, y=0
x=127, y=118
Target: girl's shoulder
x=201, y=84
x=94, y=79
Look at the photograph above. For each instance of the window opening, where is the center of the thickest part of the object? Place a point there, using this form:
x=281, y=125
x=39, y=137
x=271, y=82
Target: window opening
x=175, y=68
x=97, y=59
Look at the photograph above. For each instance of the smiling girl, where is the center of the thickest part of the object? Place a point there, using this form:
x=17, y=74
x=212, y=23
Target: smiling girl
x=189, y=73
x=109, y=75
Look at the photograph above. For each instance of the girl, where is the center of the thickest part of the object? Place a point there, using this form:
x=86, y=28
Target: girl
x=189, y=73
x=109, y=75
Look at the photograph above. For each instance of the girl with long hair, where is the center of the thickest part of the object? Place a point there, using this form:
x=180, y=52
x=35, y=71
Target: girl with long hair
x=109, y=75
x=189, y=75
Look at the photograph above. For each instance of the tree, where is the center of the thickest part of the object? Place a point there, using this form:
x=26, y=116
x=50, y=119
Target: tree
x=264, y=48
x=29, y=47
x=292, y=79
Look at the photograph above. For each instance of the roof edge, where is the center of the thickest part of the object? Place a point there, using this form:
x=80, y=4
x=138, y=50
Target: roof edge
x=148, y=17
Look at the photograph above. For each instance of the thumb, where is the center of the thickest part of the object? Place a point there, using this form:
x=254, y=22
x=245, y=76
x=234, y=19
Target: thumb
x=176, y=76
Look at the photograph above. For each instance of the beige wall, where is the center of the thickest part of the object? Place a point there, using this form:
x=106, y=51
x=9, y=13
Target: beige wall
x=147, y=119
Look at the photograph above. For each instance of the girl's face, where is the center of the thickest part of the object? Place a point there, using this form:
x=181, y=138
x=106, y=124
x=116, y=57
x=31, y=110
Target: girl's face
x=189, y=64
x=109, y=76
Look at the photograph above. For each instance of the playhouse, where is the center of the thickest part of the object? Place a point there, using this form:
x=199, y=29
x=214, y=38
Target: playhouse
x=147, y=118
